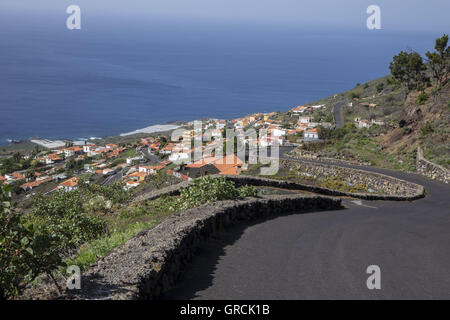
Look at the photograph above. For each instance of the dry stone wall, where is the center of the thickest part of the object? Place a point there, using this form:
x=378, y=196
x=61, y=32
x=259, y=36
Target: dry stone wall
x=430, y=169
x=149, y=264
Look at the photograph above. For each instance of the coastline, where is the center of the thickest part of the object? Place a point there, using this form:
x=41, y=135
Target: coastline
x=26, y=143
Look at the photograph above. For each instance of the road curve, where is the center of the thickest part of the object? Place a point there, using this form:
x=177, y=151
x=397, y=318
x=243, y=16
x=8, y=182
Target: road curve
x=325, y=255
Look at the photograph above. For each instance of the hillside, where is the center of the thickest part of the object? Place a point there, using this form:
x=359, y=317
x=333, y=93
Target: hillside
x=406, y=124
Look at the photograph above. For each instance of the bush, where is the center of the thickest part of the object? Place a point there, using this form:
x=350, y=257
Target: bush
x=248, y=191
x=426, y=129
x=207, y=189
x=380, y=87
x=62, y=214
x=355, y=94
x=15, y=248
x=422, y=98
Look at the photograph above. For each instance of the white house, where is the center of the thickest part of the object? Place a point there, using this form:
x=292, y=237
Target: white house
x=304, y=119
x=88, y=148
x=220, y=124
x=311, y=135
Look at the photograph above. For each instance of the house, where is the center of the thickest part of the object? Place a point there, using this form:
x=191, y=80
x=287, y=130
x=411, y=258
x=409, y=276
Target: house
x=3, y=180
x=276, y=131
x=154, y=146
x=220, y=124
x=89, y=148
x=361, y=123
x=14, y=176
x=180, y=153
x=69, y=185
x=52, y=158
x=267, y=141
x=135, y=159
x=107, y=171
x=137, y=176
x=167, y=149
x=147, y=141
x=31, y=185
x=229, y=165
x=131, y=184
x=299, y=109
x=148, y=169
x=311, y=134
x=304, y=120
x=72, y=151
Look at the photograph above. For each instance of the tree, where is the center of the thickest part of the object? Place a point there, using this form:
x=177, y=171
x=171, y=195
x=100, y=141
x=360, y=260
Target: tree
x=439, y=61
x=409, y=70
x=29, y=174
x=324, y=133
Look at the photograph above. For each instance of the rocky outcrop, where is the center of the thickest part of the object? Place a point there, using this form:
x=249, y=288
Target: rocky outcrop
x=148, y=265
x=430, y=169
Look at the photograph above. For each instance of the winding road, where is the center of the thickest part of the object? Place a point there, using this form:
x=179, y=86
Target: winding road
x=337, y=113
x=325, y=255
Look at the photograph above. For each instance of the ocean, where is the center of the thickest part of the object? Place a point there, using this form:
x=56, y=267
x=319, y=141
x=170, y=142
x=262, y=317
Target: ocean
x=110, y=78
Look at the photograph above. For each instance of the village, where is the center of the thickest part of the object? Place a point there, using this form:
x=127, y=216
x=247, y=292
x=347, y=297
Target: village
x=131, y=164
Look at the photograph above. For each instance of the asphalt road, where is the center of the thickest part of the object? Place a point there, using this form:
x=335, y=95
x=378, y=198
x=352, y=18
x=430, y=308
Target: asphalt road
x=324, y=255
x=338, y=115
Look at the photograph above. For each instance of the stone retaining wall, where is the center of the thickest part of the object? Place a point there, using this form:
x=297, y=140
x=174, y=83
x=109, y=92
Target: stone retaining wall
x=299, y=154
x=387, y=187
x=149, y=264
x=392, y=188
x=430, y=169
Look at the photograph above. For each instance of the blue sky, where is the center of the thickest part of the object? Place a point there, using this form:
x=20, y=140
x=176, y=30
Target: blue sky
x=397, y=15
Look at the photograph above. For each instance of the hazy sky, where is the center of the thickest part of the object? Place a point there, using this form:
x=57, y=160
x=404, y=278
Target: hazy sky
x=404, y=15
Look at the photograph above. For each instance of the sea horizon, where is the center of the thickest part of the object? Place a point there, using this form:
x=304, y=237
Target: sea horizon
x=105, y=81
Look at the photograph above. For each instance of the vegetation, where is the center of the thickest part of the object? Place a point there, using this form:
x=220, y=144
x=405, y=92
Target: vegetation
x=439, y=61
x=16, y=249
x=422, y=98
x=408, y=69
x=15, y=163
x=207, y=189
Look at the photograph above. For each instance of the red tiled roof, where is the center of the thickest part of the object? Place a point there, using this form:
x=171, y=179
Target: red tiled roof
x=18, y=175
x=72, y=182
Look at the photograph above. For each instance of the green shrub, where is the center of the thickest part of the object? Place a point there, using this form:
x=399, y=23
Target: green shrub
x=426, y=129
x=380, y=87
x=422, y=98
x=207, y=189
x=248, y=191
x=15, y=248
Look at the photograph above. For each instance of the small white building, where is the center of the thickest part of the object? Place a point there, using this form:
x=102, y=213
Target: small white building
x=304, y=119
x=220, y=124
x=311, y=135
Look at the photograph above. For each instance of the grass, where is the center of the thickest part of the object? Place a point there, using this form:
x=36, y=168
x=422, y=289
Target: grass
x=99, y=248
